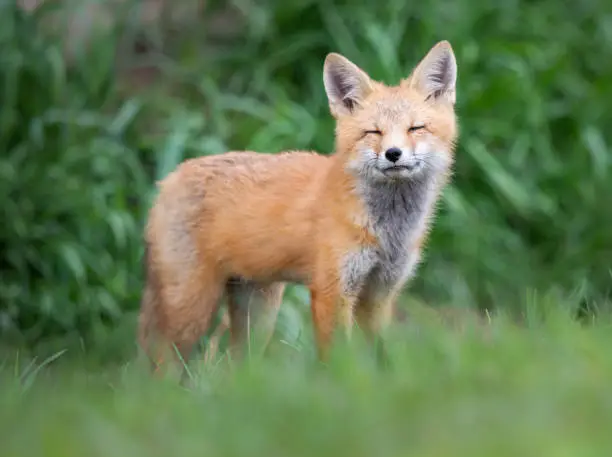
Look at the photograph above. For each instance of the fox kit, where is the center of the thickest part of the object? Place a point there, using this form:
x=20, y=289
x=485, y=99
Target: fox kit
x=350, y=226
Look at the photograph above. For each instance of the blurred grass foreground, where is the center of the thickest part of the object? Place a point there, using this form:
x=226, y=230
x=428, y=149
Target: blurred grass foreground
x=101, y=99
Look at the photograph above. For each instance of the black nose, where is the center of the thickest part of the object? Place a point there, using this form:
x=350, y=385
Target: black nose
x=393, y=154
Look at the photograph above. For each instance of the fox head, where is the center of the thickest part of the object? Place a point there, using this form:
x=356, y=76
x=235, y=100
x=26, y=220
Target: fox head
x=400, y=132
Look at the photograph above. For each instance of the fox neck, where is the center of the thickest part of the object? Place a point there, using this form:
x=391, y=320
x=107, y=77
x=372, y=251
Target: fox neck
x=396, y=212
x=399, y=211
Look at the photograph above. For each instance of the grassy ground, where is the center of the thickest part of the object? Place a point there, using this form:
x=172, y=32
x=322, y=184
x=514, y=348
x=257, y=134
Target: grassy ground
x=498, y=389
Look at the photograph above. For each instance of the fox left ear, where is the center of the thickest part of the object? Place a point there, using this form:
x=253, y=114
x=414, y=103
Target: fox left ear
x=346, y=84
x=436, y=74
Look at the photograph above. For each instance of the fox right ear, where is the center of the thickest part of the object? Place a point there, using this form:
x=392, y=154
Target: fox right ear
x=345, y=83
x=436, y=75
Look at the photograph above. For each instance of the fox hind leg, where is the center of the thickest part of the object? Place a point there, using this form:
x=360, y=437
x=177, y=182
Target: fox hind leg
x=172, y=322
x=253, y=309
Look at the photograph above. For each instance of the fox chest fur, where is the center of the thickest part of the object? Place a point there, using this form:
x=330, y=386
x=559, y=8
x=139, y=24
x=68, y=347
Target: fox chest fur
x=397, y=216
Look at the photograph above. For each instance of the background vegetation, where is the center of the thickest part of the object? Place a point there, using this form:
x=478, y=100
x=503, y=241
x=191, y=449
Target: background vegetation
x=86, y=128
x=528, y=213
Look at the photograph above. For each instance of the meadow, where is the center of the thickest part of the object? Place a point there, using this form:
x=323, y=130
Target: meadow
x=502, y=390
x=520, y=251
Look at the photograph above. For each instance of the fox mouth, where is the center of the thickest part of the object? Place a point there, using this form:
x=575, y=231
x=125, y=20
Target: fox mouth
x=402, y=170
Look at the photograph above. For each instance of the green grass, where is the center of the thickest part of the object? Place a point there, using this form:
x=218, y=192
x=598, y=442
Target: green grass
x=503, y=390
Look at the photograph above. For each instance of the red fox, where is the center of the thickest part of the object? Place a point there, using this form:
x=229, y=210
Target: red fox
x=350, y=226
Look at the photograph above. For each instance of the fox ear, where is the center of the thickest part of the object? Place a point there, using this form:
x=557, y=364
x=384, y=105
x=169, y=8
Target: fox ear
x=436, y=75
x=345, y=83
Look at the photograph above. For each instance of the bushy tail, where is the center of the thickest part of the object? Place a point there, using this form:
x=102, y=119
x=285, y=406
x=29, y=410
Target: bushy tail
x=147, y=320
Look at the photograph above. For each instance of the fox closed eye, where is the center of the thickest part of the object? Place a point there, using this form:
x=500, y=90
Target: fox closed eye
x=372, y=132
x=414, y=128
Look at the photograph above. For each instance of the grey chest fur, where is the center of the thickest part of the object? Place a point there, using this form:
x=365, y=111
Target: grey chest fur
x=397, y=217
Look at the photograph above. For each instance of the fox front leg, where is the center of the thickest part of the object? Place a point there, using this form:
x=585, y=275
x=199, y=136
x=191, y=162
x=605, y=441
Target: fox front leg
x=330, y=309
x=373, y=315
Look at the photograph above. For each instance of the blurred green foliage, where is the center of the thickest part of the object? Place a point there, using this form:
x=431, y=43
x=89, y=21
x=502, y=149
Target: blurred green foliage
x=528, y=212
